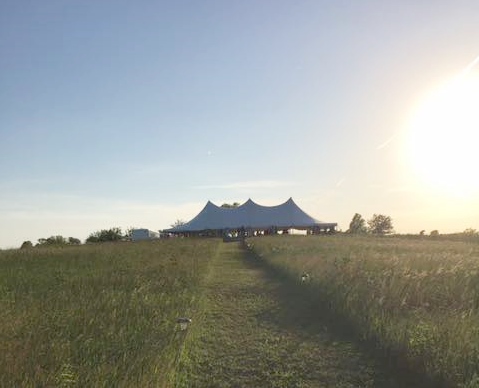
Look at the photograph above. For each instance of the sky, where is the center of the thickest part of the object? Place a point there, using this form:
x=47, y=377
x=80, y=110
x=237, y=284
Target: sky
x=135, y=114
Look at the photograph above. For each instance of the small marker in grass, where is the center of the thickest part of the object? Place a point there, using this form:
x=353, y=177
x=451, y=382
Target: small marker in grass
x=183, y=322
x=305, y=277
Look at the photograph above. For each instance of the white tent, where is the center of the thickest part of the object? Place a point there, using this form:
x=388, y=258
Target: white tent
x=250, y=215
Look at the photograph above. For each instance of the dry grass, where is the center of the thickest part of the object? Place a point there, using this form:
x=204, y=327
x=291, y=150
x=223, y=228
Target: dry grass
x=100, y=315
x=105, y=315
x=255, y=330
x=415, y=300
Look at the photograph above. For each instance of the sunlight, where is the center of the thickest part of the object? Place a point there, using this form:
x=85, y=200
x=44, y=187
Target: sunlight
x=444, y=136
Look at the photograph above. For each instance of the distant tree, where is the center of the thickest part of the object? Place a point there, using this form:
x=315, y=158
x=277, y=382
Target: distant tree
x=104, y=235
x=471, y=232
x=434, y=233
x=93, y=238
x=230, y=205
x=357, y=225
x=26, y=245
x=129, y=232
x=73, y=241
x=178, y=223
x=380, y=224
x=54, y=241
x=422, y=232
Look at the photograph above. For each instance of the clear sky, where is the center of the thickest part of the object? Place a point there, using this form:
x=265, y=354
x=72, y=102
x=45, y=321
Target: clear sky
x=135, y=113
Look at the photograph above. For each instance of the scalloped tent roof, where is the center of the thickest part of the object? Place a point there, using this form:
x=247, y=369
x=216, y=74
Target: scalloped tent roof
x=250, y=215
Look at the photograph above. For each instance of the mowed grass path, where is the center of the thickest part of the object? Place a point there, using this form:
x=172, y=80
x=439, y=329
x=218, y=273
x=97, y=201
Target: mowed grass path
x=252, y=330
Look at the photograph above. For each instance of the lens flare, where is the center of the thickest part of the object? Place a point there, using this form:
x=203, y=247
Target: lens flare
x=444, y=136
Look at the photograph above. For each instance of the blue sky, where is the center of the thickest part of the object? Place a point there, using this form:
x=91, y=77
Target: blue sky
x=116, y=113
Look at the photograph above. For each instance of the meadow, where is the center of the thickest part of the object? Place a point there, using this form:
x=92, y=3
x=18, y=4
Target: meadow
x=98, y=315
x=413, y=301
x=105, y=315
x=256, y=329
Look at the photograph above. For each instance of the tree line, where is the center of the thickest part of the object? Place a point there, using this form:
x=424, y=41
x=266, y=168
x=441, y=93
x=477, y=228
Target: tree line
x=103, y=235
x=379, y=224
x=52, y=241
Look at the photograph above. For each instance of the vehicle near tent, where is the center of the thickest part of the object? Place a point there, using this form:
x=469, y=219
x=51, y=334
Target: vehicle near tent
x=144, y=234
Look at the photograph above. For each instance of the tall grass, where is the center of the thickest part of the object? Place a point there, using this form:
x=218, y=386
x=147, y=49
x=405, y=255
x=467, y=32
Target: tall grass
x=101, y=315
x=416, y=300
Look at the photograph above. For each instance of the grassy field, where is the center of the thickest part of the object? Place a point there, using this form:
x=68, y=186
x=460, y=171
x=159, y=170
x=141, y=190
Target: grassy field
x=258, y=330
x=105, y=315
x=97, y=316
x=414, y=300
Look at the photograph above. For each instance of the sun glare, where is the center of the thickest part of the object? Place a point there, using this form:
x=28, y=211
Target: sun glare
x=444, y=137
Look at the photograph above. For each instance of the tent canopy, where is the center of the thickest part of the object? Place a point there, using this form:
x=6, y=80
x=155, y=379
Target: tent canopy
x=250, y=215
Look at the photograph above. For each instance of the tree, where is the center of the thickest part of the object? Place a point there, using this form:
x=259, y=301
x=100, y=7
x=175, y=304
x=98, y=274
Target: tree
x=26, y=245
x=471, y=232
x=93, y=238
x=73, y=241
x=129, y=232
x=380, y=224
x=112, y=234
x=357, y=225
x=434, y=233
x=178, y=223
x=54, y=241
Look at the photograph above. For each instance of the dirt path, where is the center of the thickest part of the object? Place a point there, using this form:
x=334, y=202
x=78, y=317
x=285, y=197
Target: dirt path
x=253, y=332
